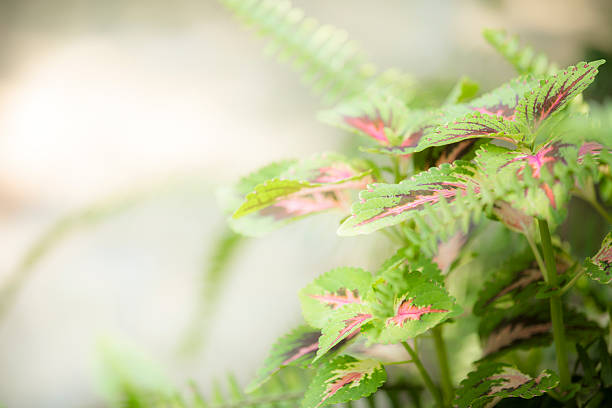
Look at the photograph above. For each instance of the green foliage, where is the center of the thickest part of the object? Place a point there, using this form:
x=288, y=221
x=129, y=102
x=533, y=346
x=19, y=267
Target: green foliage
x=297, y=348
x=302, y=188
x=599, y=267
x=331, y=291
x=432, y=193
x=464, y=90
x=226, y=247
x=555, y=92
x=512, y=158
x=406, y=304
x=515, y=155
x=284, y=390
x=524, y=59
x=344, y=379
x=323, y=55
x=342, y=325
x=492, y=382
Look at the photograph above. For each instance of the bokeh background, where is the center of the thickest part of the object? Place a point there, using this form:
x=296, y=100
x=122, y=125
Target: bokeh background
x=120, y=118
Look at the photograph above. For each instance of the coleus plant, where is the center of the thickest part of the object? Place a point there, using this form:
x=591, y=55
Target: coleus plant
x=435, y=180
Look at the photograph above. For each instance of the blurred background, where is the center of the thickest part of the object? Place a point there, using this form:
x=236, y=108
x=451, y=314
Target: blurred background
x=118, y=120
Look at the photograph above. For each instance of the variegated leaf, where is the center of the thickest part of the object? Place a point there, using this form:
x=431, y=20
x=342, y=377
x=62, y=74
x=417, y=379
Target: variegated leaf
x=270, y=192
x=331, y=291
x=492, y=382
x=555, y=92
x=231, y=198
x=599, y=267
x=383, y=205
x=406, y=304
x=472, y=126
x=297, y=348
x=527, y=182
x=527, y=324
x=343, y=324
x=489, y=116
x=344, y=379
x=509, y=284
x=306, y=187
x=377, y=115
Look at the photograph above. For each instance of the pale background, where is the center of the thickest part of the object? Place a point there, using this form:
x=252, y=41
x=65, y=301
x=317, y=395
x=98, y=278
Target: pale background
x=104, y=98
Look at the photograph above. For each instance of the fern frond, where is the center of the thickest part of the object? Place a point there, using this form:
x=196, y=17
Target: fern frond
x=327, y=60
x=285, y=390
x=524, y=59
x=74, y=222
x=225, y=249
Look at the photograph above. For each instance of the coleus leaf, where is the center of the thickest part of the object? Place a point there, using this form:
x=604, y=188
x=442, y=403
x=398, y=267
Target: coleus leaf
x=383, y=205
x=509, y=280
x=344, y=379
x=528, y=181
x=306, y=187
x=343, y=324
x=379, y=116
x=527, y=324
x=472, y=126
x=555, y=92
x=599, y=266
x=492, y=382
x=296, y=348
x=230, y=198
x=490, y=116
x=464, y=90
x=406, y=304
x=331, y=291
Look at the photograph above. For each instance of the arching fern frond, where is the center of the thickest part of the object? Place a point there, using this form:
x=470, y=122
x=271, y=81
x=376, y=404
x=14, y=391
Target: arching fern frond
x=524, y=59
x=286, y=389
x=80, y=220
x=226, y=246
x=331, y=63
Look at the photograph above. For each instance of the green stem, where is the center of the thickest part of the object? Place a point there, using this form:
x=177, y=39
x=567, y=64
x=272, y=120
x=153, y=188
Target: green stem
x=397, y=170
x=398, y=362
x=426, y=378
x=589, y=195
x=610, y=329
x=447, y=383
x=602, y=211
x=556, y=311
x=536, y=253
x=572, y=282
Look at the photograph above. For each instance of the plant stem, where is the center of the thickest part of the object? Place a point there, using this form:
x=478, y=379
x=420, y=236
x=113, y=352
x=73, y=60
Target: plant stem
x=397, y=362
x=447, y=383
x=536, y=253
x=556, y=311
x=397, y=170
x=426, y=378
x=602, y=211
x=572, y=282
x=589, y=195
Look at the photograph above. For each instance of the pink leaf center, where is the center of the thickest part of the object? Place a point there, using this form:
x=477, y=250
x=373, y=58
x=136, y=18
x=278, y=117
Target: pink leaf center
x=336, y=300
x=372, y=127
x=338, y=383
x=407, y=311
